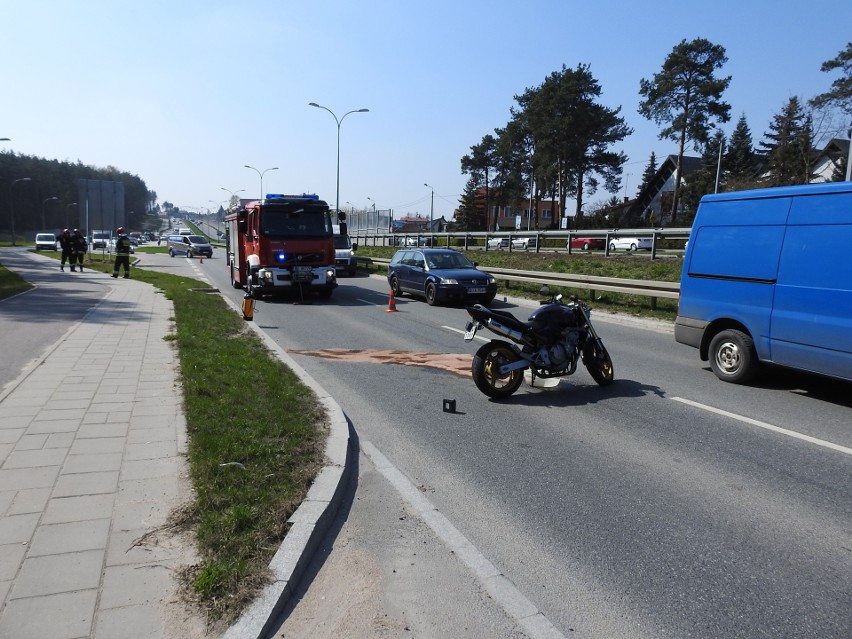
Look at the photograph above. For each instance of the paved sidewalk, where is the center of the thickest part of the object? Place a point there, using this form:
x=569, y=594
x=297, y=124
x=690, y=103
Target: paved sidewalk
x=92, y=443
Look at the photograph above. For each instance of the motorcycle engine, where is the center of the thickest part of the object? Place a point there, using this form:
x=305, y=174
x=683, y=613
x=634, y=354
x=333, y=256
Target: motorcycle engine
x=562, y=355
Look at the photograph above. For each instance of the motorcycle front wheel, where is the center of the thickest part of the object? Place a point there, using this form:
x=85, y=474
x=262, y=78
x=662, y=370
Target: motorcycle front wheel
x=598, y=363
x=486, y=370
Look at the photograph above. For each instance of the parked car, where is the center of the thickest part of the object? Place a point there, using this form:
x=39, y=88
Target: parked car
x=45, y=242
x=586, y=243
x=111, y=245
x=498, y=242
x=440, y=275
x=630, y=243
x=524, y=242
x=189, y=245
x=418, y=241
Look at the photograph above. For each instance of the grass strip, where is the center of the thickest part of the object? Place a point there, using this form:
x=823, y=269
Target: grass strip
x=11, y=284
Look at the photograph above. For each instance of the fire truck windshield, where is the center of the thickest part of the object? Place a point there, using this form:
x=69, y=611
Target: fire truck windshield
x=301, y=222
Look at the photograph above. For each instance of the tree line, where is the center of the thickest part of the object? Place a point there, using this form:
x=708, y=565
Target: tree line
x=32, y=202
x=558, y=144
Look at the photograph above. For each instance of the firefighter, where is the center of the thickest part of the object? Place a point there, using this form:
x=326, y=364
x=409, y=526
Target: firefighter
x=78, y=249
x=65, y=247
x=122, y=253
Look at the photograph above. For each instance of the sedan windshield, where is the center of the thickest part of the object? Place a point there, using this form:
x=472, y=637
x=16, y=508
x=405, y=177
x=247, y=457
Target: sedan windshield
x=449, y=260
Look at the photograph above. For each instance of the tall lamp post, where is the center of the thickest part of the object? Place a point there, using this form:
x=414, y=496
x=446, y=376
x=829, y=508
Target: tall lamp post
x=233, y=194
x=339, y=122
x=68, y=206
x=260, y=173
x=12, y=205
x=431, y=206
x=43, y=207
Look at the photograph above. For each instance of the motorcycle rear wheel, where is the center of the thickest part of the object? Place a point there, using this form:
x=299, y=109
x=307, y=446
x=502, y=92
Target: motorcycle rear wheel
x=599, y=364
x=485, y=370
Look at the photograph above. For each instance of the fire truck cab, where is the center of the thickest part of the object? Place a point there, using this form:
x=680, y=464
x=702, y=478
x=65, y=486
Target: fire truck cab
x=281, y=243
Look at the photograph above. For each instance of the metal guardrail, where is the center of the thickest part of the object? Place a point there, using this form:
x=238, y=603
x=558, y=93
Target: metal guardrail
x=467, y=241
x=646, y=288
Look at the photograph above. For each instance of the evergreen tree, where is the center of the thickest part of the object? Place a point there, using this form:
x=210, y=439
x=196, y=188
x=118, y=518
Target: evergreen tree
x=786, y=149
x=840, y=94
x=649, y=173
x=686, y=97
x=471, y=212
x=572, y=134
x=740, y=158
x=479, y=165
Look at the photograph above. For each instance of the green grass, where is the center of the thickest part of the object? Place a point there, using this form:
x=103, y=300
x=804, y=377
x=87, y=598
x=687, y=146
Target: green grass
x=11, y=284
x=636, y=266
x=256, y=440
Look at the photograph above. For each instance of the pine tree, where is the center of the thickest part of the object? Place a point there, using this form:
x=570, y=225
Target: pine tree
x=787, y=147
x=686, y=97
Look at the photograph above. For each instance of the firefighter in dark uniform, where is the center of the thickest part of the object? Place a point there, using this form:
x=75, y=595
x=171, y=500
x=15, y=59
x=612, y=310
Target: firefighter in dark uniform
x=122, y=253
x=65, y=247
x=78, y=249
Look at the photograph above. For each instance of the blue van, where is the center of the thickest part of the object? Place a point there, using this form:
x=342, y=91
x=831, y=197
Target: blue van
x=767, y=278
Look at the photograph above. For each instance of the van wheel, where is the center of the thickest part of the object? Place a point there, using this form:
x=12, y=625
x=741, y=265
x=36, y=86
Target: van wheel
x=733, y=357
x=171, y=253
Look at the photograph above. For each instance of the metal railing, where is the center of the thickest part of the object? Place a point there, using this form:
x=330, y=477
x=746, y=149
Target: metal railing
x=544, y=239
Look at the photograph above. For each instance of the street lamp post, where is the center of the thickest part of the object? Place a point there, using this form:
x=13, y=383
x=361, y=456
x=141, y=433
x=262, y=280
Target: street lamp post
x=260, y=173
x=43, y=206
x=233, y=194
x=68, y=206
x=431, y=206
x=12, y=205
x=339, y=122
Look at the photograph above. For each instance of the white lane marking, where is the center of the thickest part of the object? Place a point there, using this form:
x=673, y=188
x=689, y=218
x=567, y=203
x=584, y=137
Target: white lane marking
x=497, y=585
x=775, y=429
x=461, y=332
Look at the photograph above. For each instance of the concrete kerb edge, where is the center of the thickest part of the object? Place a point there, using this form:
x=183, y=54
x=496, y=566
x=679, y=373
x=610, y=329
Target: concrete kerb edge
x=312, y=519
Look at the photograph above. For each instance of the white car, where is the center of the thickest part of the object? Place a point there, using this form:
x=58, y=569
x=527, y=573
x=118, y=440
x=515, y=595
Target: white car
x=630, y=243
x=524, y=243
x=46, y=242
x=498, y=242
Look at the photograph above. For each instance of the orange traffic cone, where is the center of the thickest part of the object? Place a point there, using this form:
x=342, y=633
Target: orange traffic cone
x=392, y=303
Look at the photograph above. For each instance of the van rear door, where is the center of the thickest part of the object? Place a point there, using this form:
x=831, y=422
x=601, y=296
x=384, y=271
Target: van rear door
x=812, y=314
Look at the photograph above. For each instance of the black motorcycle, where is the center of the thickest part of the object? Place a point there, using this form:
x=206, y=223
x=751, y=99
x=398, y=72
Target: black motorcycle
x=549, y=344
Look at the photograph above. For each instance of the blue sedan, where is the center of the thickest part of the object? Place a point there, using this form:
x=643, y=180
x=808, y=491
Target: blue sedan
x=439, y=275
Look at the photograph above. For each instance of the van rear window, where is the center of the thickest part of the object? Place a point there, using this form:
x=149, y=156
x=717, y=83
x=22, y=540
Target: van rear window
x=739, y=252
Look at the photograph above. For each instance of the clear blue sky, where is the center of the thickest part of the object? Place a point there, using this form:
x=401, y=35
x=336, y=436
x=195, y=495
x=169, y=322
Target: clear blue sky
x=184, y=93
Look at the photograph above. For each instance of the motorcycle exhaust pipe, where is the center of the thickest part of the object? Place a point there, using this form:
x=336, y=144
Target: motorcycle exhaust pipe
x=500, y=329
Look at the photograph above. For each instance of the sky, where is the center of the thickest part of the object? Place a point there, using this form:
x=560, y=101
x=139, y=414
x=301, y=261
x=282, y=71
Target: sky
x=186, y=93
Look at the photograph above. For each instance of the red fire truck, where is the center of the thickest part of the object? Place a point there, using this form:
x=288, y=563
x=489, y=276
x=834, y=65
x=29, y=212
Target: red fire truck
x=282, y=243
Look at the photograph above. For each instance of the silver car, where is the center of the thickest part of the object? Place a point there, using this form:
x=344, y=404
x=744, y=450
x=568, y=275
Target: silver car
x=630, y=243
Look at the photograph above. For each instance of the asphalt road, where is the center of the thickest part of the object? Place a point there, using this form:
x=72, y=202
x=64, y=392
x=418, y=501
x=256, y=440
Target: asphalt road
x=33, y=322
x=637, y=510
